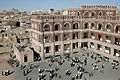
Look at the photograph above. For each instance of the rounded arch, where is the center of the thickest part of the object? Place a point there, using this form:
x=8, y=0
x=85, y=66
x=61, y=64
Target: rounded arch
x=93, y=14
x=67, y=26
x=92, y=25
x=86, y=25
x=86, y=14
x=108, y=27
x=57, y=26
x=117, y=28
x=100, y=26
x=76, y=25
x=47, y=27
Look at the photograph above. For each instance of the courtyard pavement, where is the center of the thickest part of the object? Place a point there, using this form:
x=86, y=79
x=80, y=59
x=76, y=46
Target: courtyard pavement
x=107, y=74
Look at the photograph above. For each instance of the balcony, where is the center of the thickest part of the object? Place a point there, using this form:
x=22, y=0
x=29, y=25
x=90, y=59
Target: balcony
x=108, y=41
x=46, y=40
x=107, y=51
x=93, y=37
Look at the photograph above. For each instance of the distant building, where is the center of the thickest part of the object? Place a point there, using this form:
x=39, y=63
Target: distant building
x=51, y=11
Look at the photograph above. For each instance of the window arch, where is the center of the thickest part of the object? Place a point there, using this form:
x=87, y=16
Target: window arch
x=66, y=26
x=75, y=25
x=109, y=27
x=57, y=26
x=86, y=15
x=93, y=15
x=46, y=27
x=86, y=25
x=117, y=29
x=100, y=13
x=92, y=25
x=100, y=26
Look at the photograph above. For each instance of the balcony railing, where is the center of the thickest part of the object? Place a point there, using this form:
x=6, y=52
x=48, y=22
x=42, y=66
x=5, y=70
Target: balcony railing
x=93, y=37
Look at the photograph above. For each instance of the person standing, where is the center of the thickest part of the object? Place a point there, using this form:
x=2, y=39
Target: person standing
x=24, y=72
x=2, y=73
x=102, y=65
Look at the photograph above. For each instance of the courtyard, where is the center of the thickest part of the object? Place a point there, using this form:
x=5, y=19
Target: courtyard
x=31, y=71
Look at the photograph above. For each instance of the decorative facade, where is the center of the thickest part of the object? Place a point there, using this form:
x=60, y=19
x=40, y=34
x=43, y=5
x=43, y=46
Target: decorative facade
x=96, y=28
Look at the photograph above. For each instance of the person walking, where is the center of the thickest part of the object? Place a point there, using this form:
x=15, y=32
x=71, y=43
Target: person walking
x=102, y=65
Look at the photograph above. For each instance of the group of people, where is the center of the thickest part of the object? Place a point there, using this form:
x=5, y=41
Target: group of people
x=6, y=73
x=76, y=62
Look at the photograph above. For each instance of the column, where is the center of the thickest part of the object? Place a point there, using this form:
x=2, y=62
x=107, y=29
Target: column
x=112, y=51
x=103, y=48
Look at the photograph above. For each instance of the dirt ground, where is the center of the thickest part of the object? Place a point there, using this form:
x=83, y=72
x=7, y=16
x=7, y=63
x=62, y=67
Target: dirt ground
x=4, y=65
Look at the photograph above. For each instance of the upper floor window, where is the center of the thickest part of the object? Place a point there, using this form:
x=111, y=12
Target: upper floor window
x=57, y=27
x=47, y=27
x=108, y=28
x=86, y=15
x=117, y=29
x=66, y=26
x=75, y=26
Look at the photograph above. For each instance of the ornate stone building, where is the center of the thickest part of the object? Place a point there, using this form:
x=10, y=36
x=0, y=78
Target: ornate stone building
x=96, y=28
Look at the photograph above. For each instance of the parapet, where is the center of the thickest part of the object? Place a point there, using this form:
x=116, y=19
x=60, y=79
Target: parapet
x=99, y=6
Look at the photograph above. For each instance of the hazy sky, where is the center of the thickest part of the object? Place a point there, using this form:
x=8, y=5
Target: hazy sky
x=56, y=4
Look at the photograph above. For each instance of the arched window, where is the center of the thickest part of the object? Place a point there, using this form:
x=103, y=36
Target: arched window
x=75, y=26
x=66, y=26
x=108, y=28
x=78, y=13
x=92, y=25
x=86, y=26
x=47, y=27
x=57, y=27
x=100, y=13
x=93, y=15
x=117, y=29
x=86, y=15
x=100, y=26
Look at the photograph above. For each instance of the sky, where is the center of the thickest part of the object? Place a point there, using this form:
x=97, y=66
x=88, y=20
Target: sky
x=29, y=5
